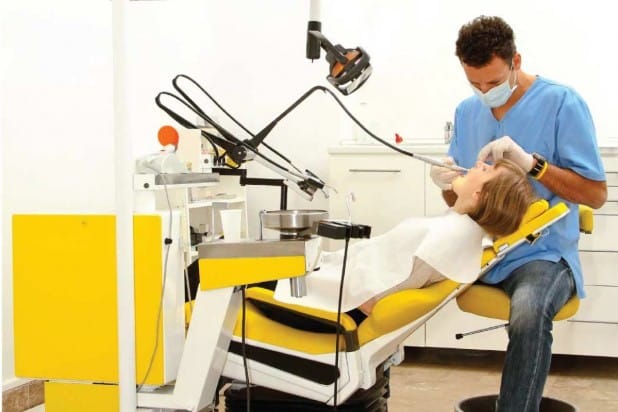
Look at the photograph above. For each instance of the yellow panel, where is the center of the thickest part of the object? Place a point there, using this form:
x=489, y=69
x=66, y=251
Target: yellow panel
x=220, y=273
x=148, y=282
x=75, y=397
x=64, y=289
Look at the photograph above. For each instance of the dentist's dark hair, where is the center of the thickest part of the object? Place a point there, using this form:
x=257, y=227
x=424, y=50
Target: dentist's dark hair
x=484, y=38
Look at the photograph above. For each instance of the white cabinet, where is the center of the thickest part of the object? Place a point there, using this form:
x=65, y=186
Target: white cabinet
x=385, y=188
x=389, y=187
x=594, y=328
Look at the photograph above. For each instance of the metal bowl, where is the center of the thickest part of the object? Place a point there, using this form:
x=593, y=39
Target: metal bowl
x=293, y=222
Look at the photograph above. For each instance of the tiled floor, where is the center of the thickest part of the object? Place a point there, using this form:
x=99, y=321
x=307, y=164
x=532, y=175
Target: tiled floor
x=434, y=380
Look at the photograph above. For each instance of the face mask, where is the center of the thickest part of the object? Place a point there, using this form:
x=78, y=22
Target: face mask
x=496, y=96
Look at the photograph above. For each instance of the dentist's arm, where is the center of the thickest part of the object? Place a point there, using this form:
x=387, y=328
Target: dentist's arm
x=575, y=188
x=563, y=182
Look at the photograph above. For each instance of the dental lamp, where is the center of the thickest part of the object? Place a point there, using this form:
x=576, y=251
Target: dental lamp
x=349, y=68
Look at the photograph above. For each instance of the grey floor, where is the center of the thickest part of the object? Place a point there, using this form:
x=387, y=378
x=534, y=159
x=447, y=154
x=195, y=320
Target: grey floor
x=431, y=380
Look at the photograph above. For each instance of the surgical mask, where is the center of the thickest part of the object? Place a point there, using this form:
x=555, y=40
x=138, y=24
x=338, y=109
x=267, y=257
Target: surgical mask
x=496, y=96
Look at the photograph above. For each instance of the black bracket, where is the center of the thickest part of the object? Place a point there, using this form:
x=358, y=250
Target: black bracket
x=336, y=229
x=257, y=181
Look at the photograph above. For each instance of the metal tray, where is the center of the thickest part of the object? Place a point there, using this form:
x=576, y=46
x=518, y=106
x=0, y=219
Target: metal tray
x=293, y=221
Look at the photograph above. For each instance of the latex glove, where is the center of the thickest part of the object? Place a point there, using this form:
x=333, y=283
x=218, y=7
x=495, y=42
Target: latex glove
x=505, y=147
x=442, y=176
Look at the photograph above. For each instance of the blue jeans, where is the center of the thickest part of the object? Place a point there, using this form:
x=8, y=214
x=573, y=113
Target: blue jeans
x=538, y=290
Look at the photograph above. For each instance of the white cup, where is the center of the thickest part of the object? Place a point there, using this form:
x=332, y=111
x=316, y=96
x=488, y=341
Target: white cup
x=230, y=223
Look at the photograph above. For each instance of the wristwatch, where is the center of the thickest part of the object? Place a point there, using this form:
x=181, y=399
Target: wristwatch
x=539, y=168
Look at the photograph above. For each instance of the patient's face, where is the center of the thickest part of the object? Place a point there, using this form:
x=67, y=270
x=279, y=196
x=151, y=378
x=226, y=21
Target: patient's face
x=467, y=185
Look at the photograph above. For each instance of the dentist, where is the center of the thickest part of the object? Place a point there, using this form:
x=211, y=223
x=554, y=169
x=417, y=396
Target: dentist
x=547, y=129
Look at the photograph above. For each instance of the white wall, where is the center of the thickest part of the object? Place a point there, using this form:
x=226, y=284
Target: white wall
x=56, y=110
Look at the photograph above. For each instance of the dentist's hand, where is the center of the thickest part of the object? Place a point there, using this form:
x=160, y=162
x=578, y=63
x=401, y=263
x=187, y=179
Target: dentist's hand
x=442, y=176
x=505, y=147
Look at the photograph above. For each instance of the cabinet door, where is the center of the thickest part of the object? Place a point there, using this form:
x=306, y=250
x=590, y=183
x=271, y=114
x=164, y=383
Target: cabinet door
x=603, y=237
x=599, y=268
x=387, y=188
x=572, y=337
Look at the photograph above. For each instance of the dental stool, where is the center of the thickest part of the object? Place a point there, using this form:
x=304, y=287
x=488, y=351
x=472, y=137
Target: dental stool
x=294, y=365
x=492, y=302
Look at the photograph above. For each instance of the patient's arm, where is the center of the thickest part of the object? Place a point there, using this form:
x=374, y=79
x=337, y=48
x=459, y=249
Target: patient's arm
x=421, y=275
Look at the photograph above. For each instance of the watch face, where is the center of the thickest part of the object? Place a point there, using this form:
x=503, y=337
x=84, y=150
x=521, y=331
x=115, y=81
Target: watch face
x=540, y=163
x=538, y=157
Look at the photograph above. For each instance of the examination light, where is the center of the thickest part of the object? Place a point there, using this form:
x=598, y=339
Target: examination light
x=349, y=68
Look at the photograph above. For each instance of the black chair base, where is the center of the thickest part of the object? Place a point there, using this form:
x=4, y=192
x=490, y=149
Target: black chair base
x=268, y=400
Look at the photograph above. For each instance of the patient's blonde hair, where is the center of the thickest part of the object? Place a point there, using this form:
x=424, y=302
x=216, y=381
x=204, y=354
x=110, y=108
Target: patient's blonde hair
x=504, y=200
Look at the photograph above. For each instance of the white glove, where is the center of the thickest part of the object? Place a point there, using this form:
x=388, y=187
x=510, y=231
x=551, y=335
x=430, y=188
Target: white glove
x=442, y=176
x=505, y=147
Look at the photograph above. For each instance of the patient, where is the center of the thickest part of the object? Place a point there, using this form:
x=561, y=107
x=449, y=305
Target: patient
x=492, y=200
x=496, y=197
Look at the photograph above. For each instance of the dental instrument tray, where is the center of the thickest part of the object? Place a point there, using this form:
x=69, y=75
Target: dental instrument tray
x=293, y=222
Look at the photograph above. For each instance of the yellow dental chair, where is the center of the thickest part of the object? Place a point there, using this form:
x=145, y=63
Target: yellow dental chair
x=283, y=359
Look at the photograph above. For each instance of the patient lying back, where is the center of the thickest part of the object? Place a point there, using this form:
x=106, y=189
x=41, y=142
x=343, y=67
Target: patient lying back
x=496, y=197
x=491, y=201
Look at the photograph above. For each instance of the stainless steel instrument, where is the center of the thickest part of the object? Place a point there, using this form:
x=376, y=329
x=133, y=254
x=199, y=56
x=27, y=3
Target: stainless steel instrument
x=296, y=223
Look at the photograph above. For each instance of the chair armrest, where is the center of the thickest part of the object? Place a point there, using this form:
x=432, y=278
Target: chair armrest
x=586, y=219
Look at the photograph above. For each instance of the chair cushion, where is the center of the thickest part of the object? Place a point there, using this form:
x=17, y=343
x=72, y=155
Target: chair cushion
x=401, y=308
x=390, y=313
x=493, y=302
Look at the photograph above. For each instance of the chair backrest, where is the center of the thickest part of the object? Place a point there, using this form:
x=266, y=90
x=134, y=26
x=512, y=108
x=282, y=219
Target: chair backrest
x=538, y=217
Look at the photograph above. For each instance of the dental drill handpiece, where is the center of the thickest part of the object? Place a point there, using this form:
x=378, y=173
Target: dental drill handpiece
x=435, y=162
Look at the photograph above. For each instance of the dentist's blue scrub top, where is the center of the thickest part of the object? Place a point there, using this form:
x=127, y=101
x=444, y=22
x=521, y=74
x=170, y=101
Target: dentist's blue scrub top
x=550, y=119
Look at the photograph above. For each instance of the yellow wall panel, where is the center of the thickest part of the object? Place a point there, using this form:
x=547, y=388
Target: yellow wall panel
x=64, y=285
x=75, y=397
